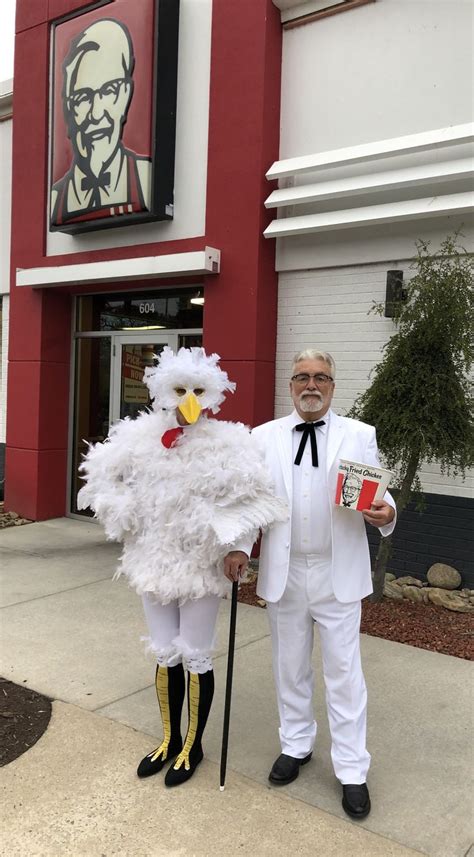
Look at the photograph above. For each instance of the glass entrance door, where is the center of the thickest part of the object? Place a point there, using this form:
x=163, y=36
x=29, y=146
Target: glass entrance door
x=91, y=416
x=132, y=354
x=108, y=387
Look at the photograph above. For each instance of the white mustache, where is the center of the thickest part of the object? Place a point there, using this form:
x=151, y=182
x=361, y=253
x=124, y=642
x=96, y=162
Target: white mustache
x=102, y=125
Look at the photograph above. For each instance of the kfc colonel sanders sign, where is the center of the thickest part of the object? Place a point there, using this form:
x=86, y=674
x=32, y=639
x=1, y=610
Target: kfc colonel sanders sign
x=114, y=116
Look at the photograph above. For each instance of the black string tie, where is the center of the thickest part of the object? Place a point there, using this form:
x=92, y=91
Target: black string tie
x=308, y=429
x=95, y=184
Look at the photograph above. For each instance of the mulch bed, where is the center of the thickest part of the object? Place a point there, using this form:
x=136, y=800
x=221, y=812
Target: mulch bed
x=425, y=626
x=24, y=716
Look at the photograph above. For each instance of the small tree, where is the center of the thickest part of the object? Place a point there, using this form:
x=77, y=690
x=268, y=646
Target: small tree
x=419, y=398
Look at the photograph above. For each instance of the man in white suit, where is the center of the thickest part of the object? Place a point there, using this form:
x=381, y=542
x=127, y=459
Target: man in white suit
x=315, y=569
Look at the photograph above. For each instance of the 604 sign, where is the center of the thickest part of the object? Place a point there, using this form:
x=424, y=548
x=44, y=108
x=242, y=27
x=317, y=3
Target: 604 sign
x=146, y=307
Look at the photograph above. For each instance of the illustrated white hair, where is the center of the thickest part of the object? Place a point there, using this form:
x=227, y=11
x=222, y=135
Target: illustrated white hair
x=105, y=37
x=190, y=369
x=314, y=354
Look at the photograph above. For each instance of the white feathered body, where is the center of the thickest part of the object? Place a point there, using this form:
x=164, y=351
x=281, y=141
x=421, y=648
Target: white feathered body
x=178, y=511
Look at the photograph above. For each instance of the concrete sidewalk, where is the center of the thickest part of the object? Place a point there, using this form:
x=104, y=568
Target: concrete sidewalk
x=69, y=632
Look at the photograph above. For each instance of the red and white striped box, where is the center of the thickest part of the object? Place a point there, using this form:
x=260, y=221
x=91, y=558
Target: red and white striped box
x=358, y=485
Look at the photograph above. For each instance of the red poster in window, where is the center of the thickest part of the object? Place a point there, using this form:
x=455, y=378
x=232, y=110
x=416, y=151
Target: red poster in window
x=114, y=76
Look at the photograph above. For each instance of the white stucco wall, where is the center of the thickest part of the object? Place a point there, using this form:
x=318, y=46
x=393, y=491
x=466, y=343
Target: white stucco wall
x=390, y=68
x=381, y=71
x=191, y=147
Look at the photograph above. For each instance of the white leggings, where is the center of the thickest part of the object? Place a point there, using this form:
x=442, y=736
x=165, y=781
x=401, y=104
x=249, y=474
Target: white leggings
x=182, y=632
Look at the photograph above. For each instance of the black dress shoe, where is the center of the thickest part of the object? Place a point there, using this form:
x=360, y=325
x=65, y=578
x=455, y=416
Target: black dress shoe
x=356, y=800
x=286, y=769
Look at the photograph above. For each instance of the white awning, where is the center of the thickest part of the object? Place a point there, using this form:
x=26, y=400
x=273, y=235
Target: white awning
x=205, y=261
x=423, y=175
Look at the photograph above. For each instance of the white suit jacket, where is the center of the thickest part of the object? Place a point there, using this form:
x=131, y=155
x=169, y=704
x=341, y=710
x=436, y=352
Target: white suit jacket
x=351, y=571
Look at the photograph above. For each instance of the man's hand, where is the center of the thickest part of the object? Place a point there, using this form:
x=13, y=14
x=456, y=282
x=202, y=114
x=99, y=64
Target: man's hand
x=380, y=513
x=235, y=564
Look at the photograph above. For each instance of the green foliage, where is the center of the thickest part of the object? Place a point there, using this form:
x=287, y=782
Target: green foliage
x=419, y=398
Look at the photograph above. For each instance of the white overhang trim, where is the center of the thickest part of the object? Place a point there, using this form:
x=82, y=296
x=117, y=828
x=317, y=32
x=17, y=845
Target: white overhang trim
x=371, y=215
x=6, y=100
x=300, y=7
x=291, y=9
x=452, y=135
x=409, y=177
x=205, y=261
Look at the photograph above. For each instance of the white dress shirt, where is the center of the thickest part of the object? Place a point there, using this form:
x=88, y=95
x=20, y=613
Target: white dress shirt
x=311, y=517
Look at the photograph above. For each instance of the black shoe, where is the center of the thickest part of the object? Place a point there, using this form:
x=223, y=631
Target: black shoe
x=155, y=761
x=183, y=769
x=356, y=800
x=286, y=769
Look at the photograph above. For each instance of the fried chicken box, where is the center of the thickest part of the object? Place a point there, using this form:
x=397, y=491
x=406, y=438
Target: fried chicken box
x=358, y=485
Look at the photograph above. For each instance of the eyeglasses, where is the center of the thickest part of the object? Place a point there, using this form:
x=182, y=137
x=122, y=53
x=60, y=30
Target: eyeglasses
x=83, y=99
x=319, y=378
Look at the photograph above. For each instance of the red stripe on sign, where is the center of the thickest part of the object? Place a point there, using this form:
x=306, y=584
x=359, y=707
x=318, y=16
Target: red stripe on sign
x=340, y=479
x=367, y=494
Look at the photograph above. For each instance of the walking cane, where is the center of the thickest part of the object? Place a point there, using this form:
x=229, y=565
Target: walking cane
x=228, y=687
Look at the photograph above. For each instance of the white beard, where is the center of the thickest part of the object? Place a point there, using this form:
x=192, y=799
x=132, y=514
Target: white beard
x=99, y=155
x=309, y=405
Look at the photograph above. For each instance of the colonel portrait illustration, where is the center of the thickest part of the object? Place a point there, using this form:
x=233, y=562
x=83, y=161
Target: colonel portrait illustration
x=351, y=488
x=108, y=181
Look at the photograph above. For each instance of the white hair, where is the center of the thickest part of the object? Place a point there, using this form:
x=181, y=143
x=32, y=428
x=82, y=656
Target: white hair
x=314, y=354
x=104, y=36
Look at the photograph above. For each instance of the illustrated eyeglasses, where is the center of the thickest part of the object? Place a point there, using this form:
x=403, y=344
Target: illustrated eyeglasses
x=84, y=98
x=319, y=378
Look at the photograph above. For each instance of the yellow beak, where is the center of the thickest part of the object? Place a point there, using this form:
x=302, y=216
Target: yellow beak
x=190, y=408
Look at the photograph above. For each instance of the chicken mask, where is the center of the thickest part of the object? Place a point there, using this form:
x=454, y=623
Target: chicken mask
x=190, y=381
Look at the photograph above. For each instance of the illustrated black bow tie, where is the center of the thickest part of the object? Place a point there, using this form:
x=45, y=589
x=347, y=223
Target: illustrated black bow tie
x=308, y=429
x=95, y=182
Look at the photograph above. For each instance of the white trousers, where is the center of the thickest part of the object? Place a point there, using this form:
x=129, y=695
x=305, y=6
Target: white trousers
x=308, y=600
x=182, y=632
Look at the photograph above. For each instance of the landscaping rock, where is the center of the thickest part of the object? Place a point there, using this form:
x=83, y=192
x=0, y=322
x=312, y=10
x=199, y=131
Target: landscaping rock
x=444, y=576
x=392, y=590
x=413, y=593
x=411, y=581
x=389, y=576
x=11, y=519
x=450, y=600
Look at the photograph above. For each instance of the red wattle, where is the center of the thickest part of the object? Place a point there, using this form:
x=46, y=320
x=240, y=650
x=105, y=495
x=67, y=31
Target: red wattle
x=170, y=437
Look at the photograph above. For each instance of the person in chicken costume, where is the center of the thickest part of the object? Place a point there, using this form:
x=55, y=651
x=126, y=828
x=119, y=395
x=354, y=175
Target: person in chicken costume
x=179, y=488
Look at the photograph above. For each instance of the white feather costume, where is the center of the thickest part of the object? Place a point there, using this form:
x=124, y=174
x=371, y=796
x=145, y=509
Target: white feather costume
x=179, y=510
